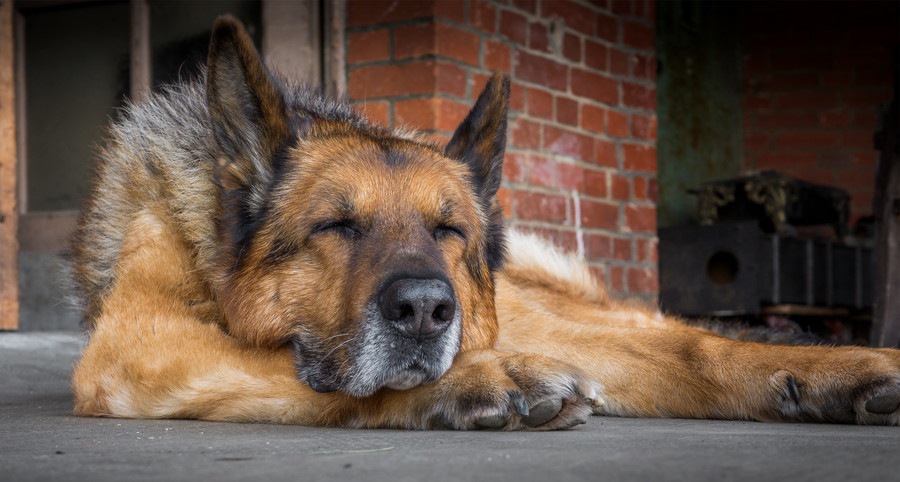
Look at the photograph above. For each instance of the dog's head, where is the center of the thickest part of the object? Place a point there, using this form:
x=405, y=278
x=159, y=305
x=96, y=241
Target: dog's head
x=373, y=254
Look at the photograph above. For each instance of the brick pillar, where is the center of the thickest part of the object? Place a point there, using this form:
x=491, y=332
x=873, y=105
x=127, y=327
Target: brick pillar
x=581, y=162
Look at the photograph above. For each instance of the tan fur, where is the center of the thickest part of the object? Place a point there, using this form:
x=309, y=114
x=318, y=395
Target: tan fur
x=188, y=319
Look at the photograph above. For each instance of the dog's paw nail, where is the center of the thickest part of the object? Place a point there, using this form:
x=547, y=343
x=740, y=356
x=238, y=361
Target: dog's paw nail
x=884, y=404
x=518, y=402
x=491, y=422
x=543, y=412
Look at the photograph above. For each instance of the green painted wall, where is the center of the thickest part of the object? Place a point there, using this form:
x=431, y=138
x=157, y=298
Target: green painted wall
x=699, y=101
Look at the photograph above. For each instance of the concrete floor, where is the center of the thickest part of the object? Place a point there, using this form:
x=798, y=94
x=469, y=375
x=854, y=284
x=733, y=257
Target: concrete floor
x=41, y=440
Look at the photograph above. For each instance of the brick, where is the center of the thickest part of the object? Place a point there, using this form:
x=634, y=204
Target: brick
x=539, y=207
x=837, y=78
x=782, y=160
x=653, y=190
x=643, y=126
x=517, y=97
x=414, y=40
x=374, y=12
x=606, y=154
x=640, y=219
x=640, y=189
x=607, y=27
x=540, y=103
x=833, y=159
x=616, y=278
x=568, y=143
x=378, y=112
x=788, y=81
x=596, y=55
x=857, y=139
x=450, y=79
x=638, y=96
x=453, y=11
x=865, y=98
x=867, y=118
x=449, y=114
x=458, y=44
x=504, y=197
x=484, y=15
x=594, y=86
x=572, y=47
x=616, y=123
x=514, y=167
x=643, y=280
x=416, y=113
x=566, y=111
x=542, y=171
x=619, y=62
x=787, y=120
x=834, y=119
x=601, y=215
x=593, y=118
x=497, y=56
x=758, y=101
x=598, y=246
x=595, y=183
x=622, y=249
x=529, y=6
x=526, y=134
x=514, y=26
x=570, y=177
x=620, y=187
x=755, y=63
x=754, y=142
x=637, y=157
x=391, y=80
x=577, y=17
x=643, y=66
x=637, y=35
x=370, y=46
x=540, y=70
x=805, y=100
x=806, y=139
x=538, y=39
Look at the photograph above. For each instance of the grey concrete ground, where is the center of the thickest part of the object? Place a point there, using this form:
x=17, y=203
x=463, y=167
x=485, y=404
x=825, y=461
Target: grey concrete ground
x=41, y=440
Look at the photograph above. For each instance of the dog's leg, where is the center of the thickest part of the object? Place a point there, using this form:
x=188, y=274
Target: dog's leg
x=652, y=366
x=156, y=350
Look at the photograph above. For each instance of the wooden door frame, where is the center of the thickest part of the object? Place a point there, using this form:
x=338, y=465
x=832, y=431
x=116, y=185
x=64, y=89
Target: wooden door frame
x=9, y=212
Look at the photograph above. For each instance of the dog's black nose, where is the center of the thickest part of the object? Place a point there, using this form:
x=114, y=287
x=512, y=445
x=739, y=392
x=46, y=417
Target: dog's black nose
x=418, y=308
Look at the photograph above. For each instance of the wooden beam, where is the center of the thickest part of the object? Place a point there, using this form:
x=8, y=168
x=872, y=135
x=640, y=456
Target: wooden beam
x=141, y=75
x=9, y=244
x=291, y=39
x=334, y=55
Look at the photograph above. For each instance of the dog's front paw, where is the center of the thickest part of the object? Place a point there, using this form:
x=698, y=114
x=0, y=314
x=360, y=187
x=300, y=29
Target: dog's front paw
x=515, y=392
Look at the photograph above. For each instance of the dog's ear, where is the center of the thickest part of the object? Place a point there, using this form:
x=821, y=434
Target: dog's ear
x=251, y=123
x=480, y=140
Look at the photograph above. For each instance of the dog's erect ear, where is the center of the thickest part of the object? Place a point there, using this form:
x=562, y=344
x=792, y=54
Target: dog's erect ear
x=251, y=123
x=480, y=140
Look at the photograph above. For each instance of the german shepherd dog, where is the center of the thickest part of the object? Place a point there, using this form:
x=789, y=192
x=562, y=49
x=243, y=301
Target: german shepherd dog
x=253, y=251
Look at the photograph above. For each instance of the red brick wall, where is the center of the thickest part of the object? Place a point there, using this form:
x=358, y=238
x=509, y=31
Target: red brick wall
x=581, y=163
x=813, y=78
